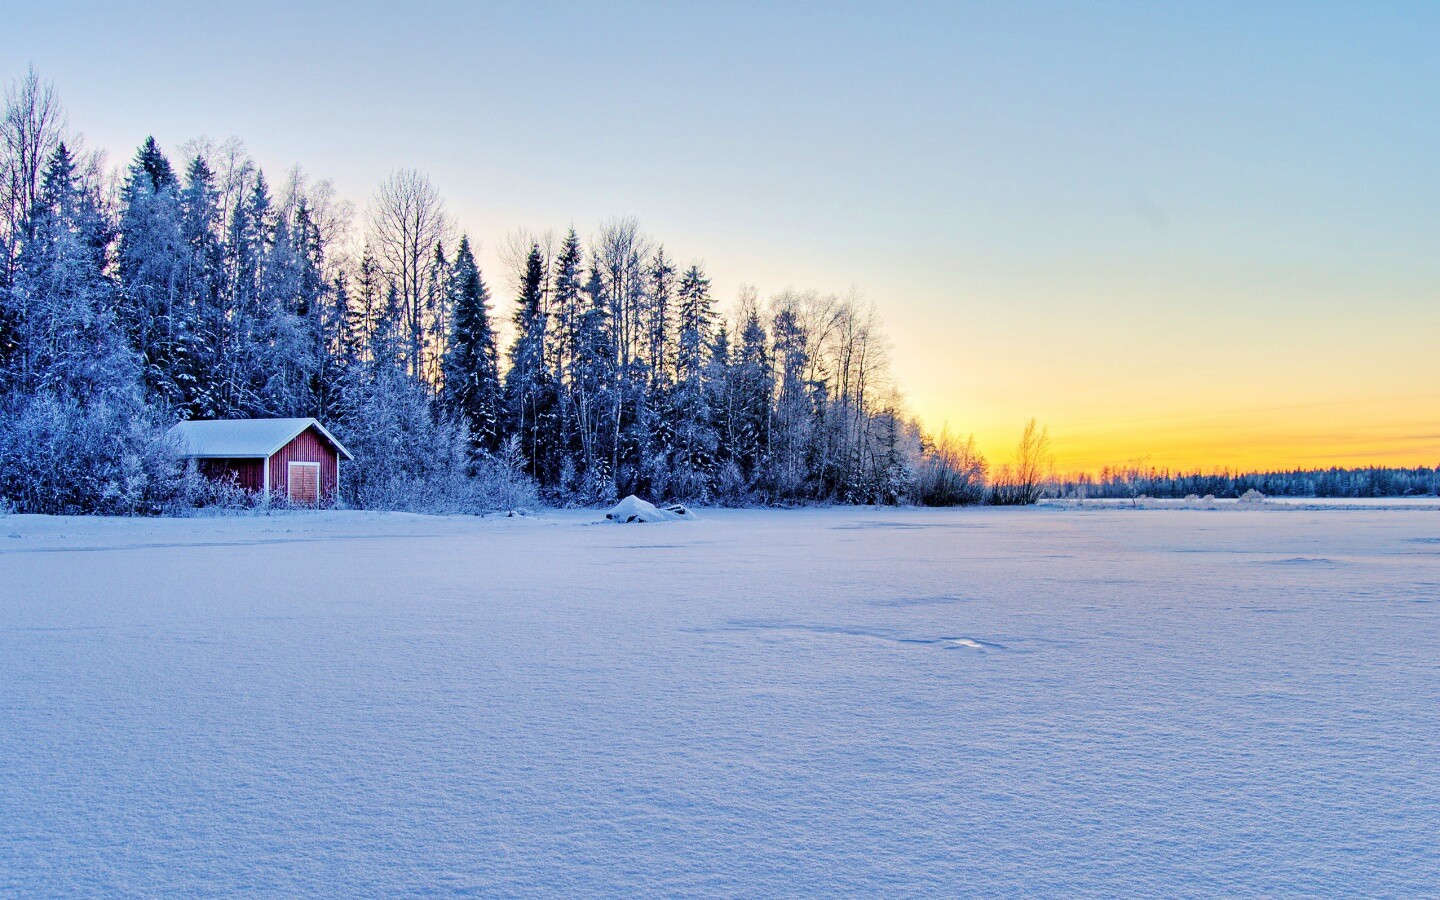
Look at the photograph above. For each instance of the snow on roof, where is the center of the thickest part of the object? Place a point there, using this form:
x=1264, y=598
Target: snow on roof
x=244, y=438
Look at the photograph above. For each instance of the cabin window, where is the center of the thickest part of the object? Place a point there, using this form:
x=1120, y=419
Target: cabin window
x=304, y=482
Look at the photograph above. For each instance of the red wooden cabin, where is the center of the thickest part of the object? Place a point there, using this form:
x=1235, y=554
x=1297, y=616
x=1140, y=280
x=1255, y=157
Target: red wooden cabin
x=292, y=458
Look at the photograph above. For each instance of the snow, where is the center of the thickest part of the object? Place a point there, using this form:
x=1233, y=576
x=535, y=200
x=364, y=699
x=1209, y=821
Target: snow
x=1078, y=701
x=633, y=510
x=242, y=438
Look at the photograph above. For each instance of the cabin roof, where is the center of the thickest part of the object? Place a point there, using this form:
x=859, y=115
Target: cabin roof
x=244, y=438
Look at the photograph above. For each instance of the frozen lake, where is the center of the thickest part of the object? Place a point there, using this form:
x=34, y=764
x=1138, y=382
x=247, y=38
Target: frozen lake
x=1060, y=701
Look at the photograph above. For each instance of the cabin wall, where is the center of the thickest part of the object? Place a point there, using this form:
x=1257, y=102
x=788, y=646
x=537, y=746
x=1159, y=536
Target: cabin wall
x=308, y=446
x=249, y=474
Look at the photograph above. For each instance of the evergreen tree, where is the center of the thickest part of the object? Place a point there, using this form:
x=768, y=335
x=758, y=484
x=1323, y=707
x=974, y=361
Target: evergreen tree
x=693, y=454
x=657, y=324
x=754, y=383
x=471, y=374
x=343, y=350
x=529, y=385
x=283, y=346
x=151, y=163
x=593, y=389
x=69, y=341
x=152, y=264
x=567, y=305
x=238, y=385
x=201, y=320
x=387, y=338
x=567, y=308
x=793, y=416
x=368, y=302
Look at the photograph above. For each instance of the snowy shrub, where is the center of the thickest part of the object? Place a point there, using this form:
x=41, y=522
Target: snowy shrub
x=951, y=473
x=581, y=488
x=222, y=495
x=1252, y=496
x=108, y=456
x=500, y=481
x=408, y=457
x=730, y=486
x=409, y=472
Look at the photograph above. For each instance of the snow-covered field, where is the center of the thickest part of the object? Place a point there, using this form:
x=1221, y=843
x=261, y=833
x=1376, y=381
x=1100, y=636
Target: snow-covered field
x=1053, y=701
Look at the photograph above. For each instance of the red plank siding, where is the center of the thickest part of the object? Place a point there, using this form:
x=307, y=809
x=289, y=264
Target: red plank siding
x=308, y=446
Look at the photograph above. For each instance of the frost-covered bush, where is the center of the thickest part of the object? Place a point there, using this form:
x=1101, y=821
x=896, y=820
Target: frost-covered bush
x=421, y=468
x=730, y=486
x=500, y=481
x=224, y=495
x=408, y=457
x=951, y=472
x=108, y=456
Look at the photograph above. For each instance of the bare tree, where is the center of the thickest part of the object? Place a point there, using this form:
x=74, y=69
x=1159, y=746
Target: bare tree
x=1132, y=478
x=1025, y=480
x=31, y=129
x=621, y=253
x=407, y=222
x=329, y=213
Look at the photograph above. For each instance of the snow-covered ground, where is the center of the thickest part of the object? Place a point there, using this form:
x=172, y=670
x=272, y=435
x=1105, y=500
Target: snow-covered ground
x=1054, y=701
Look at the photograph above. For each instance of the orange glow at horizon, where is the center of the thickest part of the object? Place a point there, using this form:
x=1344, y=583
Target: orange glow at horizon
x=1346, y=434
x=1214, y=371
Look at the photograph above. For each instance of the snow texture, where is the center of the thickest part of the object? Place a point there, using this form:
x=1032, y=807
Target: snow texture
x=1056, y=701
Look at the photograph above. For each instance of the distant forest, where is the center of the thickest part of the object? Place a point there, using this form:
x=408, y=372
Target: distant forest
x=1135, y=481
x=191, y=286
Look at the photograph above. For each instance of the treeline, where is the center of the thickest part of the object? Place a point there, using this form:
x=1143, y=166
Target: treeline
x=1131, y=481
x=193, y=287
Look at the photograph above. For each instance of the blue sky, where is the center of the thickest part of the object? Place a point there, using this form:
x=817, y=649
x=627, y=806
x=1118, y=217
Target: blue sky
x=1199, y=232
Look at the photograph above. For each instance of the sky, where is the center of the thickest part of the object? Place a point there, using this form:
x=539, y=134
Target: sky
x=1205, y=235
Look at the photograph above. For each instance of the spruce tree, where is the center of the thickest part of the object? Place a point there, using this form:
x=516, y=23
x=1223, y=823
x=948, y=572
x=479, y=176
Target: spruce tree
x=754, y=383
x=69, y=341
x=152, y=263
x=529, y=385
x=794, y=409
x=153, y=164
x=202, y=323
x=368, y=301
x=593, y=389
x=693, y=455
x=658, y=321
x=471, y=374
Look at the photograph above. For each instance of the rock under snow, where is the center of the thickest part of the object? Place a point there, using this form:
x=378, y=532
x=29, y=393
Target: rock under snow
x=633, y=509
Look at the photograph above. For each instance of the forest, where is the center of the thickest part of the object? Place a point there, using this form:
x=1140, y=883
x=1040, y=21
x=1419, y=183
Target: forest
x=191, y=286
x=1137, y=479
